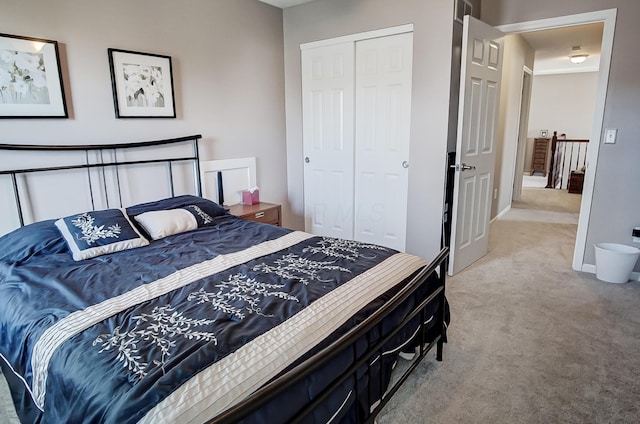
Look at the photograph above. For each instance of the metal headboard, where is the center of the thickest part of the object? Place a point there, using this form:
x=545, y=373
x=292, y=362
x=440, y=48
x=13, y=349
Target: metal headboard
x=98, y=151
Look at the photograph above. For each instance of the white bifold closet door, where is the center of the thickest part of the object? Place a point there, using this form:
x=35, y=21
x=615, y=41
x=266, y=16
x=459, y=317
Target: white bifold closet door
x=328, y=139
x=356, y=120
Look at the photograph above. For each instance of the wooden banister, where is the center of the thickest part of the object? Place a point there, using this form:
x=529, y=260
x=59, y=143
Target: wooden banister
x=558, y=161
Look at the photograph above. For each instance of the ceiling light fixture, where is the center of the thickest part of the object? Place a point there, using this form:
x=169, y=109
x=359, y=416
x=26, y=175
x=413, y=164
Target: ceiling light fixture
x=577, y=56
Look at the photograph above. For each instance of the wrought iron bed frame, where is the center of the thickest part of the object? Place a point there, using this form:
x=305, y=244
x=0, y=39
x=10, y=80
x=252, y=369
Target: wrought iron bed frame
x=364, y=330
x=103, y=164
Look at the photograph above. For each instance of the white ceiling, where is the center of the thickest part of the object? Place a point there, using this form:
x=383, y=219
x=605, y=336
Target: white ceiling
x=554, y=46
x=285, y=3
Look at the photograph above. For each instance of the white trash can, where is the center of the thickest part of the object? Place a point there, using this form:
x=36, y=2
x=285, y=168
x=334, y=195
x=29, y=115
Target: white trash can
x=615, y=262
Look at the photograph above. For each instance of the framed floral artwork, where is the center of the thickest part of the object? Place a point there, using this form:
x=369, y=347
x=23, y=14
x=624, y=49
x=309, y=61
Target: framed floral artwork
x=30, y=78
x=142, y=84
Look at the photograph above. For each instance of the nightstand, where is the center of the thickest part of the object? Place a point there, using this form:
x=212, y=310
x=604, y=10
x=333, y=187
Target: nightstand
x=266, y=213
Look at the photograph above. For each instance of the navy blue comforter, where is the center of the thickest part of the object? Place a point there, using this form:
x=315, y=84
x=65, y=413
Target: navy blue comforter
x=129, y=359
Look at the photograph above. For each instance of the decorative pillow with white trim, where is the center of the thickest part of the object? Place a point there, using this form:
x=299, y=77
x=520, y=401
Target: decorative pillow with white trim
x=96, y=233
x=160, y=224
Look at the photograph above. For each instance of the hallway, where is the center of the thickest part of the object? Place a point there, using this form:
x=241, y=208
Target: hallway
x=546, y=205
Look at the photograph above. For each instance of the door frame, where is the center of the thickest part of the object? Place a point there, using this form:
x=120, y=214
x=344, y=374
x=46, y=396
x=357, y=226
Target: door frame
x=608, y=17
x=523, y=127
x=383, y=32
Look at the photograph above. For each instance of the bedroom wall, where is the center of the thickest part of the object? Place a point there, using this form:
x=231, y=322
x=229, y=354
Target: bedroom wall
x=615, y=203
x=227, y=58
x=432, y=22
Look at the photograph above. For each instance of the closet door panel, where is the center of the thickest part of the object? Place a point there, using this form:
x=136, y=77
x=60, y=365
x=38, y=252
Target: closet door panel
x=328, y=139
x=382, y=123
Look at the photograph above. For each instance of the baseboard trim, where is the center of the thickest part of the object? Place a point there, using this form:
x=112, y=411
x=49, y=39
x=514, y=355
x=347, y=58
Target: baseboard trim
x=503, y=213
x=591, y=269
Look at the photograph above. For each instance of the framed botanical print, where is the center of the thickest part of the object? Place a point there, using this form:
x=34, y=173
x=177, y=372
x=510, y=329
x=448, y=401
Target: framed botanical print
x=142, y=84
x=30, y=78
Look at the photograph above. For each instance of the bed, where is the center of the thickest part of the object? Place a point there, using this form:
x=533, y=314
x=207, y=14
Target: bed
x=175, y=311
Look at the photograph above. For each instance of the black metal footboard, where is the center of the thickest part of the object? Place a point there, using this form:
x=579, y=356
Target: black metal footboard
x=366, y=384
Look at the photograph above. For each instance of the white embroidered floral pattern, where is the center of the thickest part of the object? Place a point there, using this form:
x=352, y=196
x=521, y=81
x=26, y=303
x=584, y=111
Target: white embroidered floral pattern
x=92, y=233
x=160, y=328
x=292, y=266
x=345, y=249
x=206, y=218
x=239, y=294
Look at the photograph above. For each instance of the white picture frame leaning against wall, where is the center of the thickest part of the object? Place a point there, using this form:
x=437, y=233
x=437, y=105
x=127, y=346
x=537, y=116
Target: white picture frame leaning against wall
x=142, y=84
x=30, y=78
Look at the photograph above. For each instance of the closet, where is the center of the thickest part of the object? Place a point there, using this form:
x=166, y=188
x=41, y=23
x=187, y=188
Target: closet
x=356, y=120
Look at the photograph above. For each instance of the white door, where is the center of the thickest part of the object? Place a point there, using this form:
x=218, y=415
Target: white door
x=482, y=52
x=383, y=119
x=328, y=139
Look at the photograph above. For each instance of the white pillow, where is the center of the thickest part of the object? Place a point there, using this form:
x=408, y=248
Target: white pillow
x=159, y=224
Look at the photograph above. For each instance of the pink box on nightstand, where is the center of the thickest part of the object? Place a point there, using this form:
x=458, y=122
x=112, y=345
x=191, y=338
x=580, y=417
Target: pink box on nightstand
x=251, y=197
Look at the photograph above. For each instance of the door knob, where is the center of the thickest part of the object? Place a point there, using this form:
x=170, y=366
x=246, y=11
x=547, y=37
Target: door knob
x=307, y=160
x=462, y=167
x=405, y=164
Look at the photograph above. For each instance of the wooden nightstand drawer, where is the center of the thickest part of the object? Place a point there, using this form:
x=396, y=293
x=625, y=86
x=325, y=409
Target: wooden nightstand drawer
x=266, y=213
x=269, y=216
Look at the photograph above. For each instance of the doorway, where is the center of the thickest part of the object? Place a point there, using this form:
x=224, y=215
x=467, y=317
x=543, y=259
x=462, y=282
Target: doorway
x=607, y=17
x=523, y=124
x=563, y=101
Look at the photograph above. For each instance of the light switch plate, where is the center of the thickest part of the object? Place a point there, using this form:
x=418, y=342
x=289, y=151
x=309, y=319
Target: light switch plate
x=610, y=136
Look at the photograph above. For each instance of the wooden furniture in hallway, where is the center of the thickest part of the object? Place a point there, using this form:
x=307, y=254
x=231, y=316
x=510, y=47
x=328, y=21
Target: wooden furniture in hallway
x=539, y=157
x=576, y=181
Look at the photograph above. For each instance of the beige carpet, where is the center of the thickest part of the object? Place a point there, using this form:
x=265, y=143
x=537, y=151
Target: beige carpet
x=546, y=205
x=545, y=199
x=531, y=340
